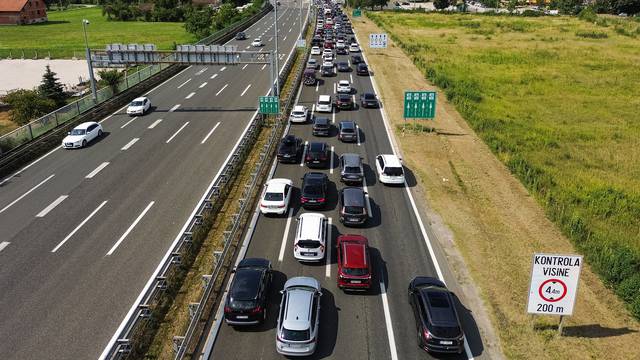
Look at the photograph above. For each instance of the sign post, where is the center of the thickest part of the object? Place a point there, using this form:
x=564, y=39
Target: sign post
x=419, y=105
x=269, y=105
x=554, y=284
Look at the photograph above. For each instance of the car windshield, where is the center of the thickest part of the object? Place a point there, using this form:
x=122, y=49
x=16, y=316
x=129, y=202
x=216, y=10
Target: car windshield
x=295, y=335
x=353, y=210
x=273, y=196
x=288, y=141
x=352, y=170
x=309, y=244
x=297, y=113
x=355, y=272
x=369, y=96
x=136, y=103
x=393, y=171
x=77, y=132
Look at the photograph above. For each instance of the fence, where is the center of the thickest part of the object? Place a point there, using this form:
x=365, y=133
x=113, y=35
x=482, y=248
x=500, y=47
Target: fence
x=166, y=281
x=38, y=127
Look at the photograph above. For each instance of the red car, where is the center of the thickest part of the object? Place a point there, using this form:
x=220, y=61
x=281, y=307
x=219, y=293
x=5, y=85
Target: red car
x=354, y=265
x=328, y=44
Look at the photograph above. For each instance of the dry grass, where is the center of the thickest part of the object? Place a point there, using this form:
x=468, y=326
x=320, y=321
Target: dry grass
x=491, y=219
x=6, y=125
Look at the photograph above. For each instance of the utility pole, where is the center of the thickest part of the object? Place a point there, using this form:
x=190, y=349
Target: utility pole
x=85, y=22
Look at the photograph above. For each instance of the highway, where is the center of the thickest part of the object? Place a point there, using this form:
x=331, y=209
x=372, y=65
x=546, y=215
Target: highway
x=374, y=325
x=83, y=230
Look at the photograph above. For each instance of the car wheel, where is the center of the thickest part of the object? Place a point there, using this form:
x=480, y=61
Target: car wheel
x=99, y=133
x=84, y=143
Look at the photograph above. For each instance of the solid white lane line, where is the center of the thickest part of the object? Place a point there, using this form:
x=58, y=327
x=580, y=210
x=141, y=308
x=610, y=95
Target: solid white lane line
x=358, y=134
x=285, y=236
x=245, y=90
x=329, y=245
x=334, y=88
x=245, y=66
x=51, y=206
x=174, y=108
x=3, y=245
x=129, y=144
x=263, y=66
x=210, y=132
x=27, y=193
x=223, y=69
x=154, y=124
x=213, y=76
x=78, y=227
x=190, y=95
x=203, y=85
x=224, y=87
x=351, y=78
x=184, y=83
x=128, y=122
x=177, y=132
x=366, y=197
x=135, y=222
x=304, y=152
x=317, y=84
x=349, y=62
x=97, y=170
x=331, y=160
x=387, y=320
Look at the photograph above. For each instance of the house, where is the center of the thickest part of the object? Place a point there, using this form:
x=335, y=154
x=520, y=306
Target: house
x=20, y=12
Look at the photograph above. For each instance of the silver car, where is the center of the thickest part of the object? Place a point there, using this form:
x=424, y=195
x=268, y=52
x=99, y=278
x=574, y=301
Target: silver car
x=299, y=317
x=351, y=171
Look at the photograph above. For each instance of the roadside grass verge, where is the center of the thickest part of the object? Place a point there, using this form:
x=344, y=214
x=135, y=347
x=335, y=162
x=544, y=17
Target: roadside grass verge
x=562, y=115
x=62, y=35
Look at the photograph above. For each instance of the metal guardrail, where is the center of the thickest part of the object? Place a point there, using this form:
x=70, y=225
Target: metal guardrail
x=46, y=123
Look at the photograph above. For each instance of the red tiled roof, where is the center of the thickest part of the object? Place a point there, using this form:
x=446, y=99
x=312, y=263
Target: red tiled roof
x=12, y=5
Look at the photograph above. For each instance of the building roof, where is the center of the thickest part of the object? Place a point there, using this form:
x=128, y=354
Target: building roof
x=12, y=5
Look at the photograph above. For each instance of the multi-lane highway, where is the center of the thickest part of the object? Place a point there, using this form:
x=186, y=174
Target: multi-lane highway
x=374, y=325
x=83, y=230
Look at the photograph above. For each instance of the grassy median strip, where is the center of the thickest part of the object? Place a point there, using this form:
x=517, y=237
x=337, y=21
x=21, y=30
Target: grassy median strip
x=557, y=109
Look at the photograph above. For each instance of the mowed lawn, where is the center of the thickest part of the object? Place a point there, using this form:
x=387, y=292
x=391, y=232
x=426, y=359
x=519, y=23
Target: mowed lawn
x=62, y=35
x=557, y=100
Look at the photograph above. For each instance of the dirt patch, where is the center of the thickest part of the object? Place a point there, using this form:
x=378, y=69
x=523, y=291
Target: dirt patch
x=488, y=225
x=6, y=125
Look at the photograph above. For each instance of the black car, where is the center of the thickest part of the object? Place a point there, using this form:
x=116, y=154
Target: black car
x=344, y=102
x=317, y=154
x=362, y=69
x=342, y=51
x=290, y=147
x=343, y=66
x=436, y=317
x=241, y=36
x=347, y=131
x=353, y=209
x=247, y=300
x=316, y=41
x=321, y=126
x=313, y=193
x=369, y=100
x=356, y=59
x=327, y=70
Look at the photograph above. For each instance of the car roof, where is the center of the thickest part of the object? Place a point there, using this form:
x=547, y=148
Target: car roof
x=391, y=160
x=439, y=305
x=347, y=124
x=254, y=262
x=343, y=97
x=369, y=95
x=309, y=227
x=277, y=185
x=354, y=254
x=289, y=137
x=317, y=145
x=298, y=108
x=314, y=175
x=321, y=120
x=85, y=125
x=246, y=284
x=298, y=309
x=353, y=196
x=324, y=98
x=141, y=98
x=343, y=82
x=351, y=159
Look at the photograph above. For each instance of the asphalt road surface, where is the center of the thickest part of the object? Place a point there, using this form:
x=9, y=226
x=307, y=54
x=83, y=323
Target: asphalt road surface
x=83, y=230
x=374, y=325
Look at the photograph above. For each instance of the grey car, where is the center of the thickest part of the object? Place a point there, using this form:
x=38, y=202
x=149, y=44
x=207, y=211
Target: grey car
x=321, y=126
x=351, y=171
x=348, y=131
x=353, y=209
x=299, y=317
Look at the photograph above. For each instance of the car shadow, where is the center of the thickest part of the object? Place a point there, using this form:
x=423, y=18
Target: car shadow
x=98, y=139
x=328, y=331
x=369, y=175
x=363, y=136
x=376, y=215
x=273, y=305
x=471, y=332
x=409, y=177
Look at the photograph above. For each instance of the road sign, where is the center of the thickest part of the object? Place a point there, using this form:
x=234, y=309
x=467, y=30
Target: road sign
x=269, y=105
x=378, y=41
x=554, y=284
x=356, y=12
x=301, y=43
x=419, y=104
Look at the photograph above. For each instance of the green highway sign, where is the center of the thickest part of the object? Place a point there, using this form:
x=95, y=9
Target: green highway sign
x=356, y=12
x=269, y=105
x=419, y=104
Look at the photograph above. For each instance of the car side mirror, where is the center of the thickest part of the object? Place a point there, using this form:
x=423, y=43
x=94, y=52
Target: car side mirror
x=68, y=132
x=281, y=291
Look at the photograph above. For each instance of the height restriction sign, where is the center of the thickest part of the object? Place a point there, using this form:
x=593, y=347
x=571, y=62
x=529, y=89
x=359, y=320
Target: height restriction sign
x=554, y=284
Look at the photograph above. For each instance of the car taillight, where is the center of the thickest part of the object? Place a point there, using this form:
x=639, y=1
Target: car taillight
x=321, y=247
x=323, y=157
x=321, y=199
x=303, y=199
x=308, y=158
x=255, y=310
x=427, y=334
x=227, y=309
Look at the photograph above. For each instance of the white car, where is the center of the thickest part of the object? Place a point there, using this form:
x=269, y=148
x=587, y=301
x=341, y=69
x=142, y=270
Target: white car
x=257, y=42
x=389, y=169
x=311, y=237
x=343, y=87
x=354, y=47
x=327, y=52
x=81, y=135
x=139, y=106
x=299, y=114
x=324, y=104
x=340, y=44
x=316, y=50
x=327, y=57
x=276, y=196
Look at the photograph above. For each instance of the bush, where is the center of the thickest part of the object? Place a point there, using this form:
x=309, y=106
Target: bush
x=629, y=288
x=588, y=14
x=592, y=34
x=27, y=105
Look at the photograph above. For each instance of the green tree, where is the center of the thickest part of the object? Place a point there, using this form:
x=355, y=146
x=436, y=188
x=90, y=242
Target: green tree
x=111, y=78
x=512, y=5
x=51, y=88
x=441, y=4
x=199, y=22
x=26, y=105
x=626, y=6
x=225, y=15
x=569, y=7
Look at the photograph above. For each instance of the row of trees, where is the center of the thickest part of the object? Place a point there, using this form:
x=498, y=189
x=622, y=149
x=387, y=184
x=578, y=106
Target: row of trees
x=201, y=22
x=570, y=7
x=158, y=10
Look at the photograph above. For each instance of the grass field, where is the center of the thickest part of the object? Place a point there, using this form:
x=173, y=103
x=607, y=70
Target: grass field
x=559, y=108
x=62, y=35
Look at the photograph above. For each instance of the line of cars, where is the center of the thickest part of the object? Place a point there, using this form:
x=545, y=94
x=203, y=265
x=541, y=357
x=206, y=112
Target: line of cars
x=298, y=321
